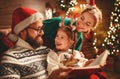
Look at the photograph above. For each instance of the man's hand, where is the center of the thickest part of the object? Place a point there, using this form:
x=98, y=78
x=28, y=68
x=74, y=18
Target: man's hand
x=5, y=31
x=61, y=73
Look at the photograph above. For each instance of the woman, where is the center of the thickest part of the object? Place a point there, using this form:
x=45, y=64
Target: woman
x=87, y=21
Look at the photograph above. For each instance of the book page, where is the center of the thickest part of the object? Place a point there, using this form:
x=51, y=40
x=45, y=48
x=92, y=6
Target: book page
x=99, y=61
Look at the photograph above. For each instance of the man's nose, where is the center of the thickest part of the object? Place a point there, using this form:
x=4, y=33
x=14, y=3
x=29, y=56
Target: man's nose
x=41, y=32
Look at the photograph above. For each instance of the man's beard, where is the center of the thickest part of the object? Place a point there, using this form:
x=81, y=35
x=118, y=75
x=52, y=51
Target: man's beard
x=34, y=42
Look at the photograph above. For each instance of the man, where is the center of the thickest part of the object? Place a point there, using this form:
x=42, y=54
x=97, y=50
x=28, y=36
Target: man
x=27, y=59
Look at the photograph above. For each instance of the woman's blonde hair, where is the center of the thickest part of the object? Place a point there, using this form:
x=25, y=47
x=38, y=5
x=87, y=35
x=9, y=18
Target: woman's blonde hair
x=96, y=12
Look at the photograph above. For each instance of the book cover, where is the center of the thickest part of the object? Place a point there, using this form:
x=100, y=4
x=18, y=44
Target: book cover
x=95, y=66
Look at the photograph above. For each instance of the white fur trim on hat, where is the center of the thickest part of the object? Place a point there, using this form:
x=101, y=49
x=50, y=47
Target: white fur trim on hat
x=25, y=23
x=13, y=37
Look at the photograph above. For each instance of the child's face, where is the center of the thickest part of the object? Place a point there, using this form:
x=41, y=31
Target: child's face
x=85, y=22
x=62, y=41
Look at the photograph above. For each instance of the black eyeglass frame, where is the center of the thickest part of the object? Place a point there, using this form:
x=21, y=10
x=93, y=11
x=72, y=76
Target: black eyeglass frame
x=39, y=29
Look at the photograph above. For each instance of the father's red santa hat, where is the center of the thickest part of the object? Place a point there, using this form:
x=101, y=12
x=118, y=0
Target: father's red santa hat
x=21, y=19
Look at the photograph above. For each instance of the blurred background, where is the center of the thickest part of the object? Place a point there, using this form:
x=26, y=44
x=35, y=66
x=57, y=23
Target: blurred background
x=106, y=36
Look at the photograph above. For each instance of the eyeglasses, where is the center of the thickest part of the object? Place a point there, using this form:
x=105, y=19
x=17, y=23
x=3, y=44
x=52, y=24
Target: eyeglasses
x=39, y=29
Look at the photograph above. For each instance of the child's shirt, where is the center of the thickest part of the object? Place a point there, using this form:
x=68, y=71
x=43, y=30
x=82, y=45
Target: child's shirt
x=57, y=59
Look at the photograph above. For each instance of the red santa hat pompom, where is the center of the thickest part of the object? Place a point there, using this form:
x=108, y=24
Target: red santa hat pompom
x=21, y=19
x=90, y=3
x=94, y=10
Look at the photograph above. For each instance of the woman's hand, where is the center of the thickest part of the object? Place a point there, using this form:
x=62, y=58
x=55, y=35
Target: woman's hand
x=88, y=62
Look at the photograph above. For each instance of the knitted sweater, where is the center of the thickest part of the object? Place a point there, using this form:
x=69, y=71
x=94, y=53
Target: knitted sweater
x=22, y=62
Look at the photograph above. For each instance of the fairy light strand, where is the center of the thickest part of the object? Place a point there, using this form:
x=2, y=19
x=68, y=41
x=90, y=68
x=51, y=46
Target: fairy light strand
x=112, y=41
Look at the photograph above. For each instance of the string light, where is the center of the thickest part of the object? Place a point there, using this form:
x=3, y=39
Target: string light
x=72, y=3
x=71, y=9
x=112, y=41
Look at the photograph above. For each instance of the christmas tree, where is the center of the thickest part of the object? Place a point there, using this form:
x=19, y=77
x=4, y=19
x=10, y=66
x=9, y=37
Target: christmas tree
x=112, y=41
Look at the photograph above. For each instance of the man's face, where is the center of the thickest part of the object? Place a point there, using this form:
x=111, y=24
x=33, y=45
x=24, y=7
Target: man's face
x=34, y=34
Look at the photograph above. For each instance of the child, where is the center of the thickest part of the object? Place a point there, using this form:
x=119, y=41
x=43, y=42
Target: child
x=87, y=21
x=63, y=56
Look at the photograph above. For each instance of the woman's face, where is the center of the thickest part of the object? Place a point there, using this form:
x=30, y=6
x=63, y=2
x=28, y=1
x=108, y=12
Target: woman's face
x=62, y=41
x=85, y=22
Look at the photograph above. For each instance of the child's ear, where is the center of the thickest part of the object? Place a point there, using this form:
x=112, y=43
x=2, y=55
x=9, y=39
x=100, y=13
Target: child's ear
x=71, y=42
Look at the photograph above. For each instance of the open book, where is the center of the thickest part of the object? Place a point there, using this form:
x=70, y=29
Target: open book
x=94, y=66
